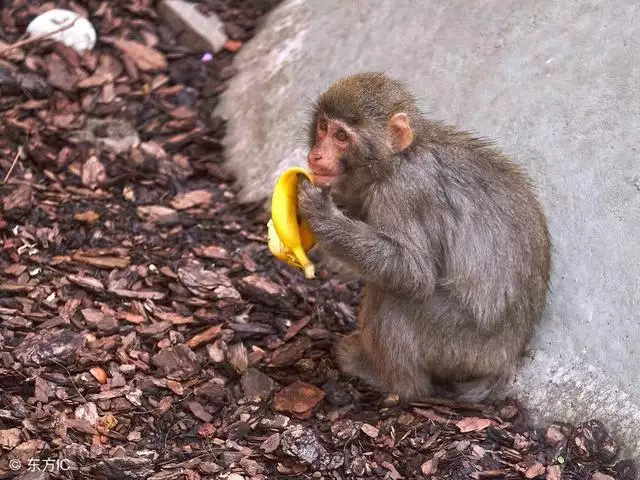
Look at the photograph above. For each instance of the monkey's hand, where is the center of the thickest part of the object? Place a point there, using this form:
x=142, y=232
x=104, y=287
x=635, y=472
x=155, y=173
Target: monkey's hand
x=398, y=257
x=314, y=204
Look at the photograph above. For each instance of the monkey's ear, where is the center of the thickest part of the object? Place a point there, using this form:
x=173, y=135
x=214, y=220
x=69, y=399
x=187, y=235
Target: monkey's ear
x=401, y=133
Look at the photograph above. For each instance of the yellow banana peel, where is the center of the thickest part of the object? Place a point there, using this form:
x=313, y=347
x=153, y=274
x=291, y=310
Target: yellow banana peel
x=288, y=237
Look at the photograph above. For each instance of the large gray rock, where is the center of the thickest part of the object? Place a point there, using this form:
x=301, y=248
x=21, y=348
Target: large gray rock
x=556, y=85
x=193, y=28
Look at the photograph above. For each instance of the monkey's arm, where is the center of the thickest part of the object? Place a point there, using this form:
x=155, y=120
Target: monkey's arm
x=400, y=260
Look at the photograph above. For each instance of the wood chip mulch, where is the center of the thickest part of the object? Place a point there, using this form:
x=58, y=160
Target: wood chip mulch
x=145, y=330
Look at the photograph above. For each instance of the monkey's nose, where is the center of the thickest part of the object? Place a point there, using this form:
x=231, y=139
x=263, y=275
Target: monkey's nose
x=314, y=159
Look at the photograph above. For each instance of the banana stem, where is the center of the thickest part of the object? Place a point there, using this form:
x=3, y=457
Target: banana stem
x=309, y=271
x=307, y=266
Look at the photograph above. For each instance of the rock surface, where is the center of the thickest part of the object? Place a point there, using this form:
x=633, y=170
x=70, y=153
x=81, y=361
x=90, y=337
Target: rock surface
x=194, y=28
x=555, y=85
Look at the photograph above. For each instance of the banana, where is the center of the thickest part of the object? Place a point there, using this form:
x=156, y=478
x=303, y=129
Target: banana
x=289, y=238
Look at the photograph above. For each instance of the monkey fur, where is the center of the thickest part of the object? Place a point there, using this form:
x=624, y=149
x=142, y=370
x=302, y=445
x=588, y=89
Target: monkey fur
x=445, y=232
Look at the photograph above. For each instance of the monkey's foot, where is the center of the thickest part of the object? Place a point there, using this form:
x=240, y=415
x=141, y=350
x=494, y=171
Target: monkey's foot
x=474, y=391
x=387, y=377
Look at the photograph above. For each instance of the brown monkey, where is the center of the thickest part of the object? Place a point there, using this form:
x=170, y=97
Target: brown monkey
x=443, y=229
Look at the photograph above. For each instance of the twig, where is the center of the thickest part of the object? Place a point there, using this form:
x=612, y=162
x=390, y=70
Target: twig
x=71, y=379
x=37, y=38
x=15, y=160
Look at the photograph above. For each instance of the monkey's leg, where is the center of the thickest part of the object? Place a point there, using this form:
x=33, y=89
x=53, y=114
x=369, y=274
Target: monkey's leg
x=469, y=361
x=384, y=353
x=354, y=361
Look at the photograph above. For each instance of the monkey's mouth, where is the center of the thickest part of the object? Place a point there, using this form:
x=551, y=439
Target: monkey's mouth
x=322, y=179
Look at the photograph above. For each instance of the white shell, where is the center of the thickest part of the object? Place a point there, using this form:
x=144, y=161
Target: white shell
x=81, y=36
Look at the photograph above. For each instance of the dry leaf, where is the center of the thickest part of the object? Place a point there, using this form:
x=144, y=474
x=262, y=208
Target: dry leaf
x=299, y=397
x=44, y=390
x=94, y=81
x=145, y=58
x=596, y=476
x=93, y=173
x=474, y=424
x=183, y=112
x=370, y=430
x=394, y=474
x=555, y=473
x=207, y=430
x=535, y=470
x=212, y=251
x=164, y=405
x=87, y=217
x=99, y=374
x=431, y=415
x=271, y=444
x=174, y=318
x=191, y=199
x=10, y=438
x=108, y=422
x=21, y=197
x=198, y=410
x=158, y=214
x=61, y=75
x=131, y=317
x=429, y=467
x=175, y=387
x=232, y=45
x=81, y=425
x=109, y=66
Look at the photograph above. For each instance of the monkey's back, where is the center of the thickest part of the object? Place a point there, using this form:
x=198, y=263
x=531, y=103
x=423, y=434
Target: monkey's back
x=494, y=255
x=495, y=244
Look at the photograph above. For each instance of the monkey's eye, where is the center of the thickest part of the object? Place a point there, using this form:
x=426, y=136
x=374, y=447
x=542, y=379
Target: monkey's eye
x=341, y=135
x=323, y=124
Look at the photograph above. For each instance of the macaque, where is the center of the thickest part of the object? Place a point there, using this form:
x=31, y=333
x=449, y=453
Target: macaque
x=445, y=232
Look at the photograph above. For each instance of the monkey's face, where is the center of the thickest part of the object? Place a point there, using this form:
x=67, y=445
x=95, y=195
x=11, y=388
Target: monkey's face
x=333, y=142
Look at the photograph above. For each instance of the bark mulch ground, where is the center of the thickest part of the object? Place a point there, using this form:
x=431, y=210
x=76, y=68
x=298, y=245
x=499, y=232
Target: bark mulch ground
x=145, y=330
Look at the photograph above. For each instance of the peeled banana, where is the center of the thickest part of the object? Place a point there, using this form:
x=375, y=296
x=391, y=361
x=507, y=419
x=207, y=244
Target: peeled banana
x=288, y=237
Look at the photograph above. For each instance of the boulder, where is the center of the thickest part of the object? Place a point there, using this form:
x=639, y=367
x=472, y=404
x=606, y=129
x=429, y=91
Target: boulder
x=555, y=84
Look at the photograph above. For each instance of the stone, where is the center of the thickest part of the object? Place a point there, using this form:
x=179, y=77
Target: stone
x=179, y=362
x=80, y=35
x=193, y=27
x=303, y=444
x=256, y=384
x=49, y=347
x=555, y=86
x=10, y=438
x=111, y=134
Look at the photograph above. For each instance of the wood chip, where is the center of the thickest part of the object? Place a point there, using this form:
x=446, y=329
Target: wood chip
x=299, y=398
x=191, y=199
x=474, y=424
x=102, y=262
x=146, y=58
x=370, y=430
x=206, y=336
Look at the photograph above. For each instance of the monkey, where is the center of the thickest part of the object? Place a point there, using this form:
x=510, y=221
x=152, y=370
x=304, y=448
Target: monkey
x=445, y=232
